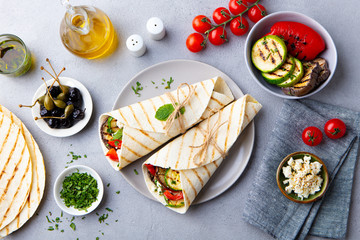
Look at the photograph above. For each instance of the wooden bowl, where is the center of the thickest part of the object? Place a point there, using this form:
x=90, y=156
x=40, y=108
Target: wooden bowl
x=293, y=196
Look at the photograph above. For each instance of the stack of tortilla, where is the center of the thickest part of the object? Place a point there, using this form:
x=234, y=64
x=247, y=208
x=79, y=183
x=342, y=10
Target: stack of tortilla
x=180, y=154
x=22, y=173
x=143, y=133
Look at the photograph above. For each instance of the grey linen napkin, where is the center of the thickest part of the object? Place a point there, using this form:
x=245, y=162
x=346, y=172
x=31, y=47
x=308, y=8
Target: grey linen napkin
x=271, y=211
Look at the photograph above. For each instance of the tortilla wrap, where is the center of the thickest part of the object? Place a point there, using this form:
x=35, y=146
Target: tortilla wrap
x=179, y=155
x=38, y=178
x=15, y=170
x=143, y=133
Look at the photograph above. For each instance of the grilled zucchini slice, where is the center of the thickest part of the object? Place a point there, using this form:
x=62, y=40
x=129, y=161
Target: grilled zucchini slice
x=172, y=179
x=174, y=203
x=269, y=53
x=295, y=76
x=282, y=73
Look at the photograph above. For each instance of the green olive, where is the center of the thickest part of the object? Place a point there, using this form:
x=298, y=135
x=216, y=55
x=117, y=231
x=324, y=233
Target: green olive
x=69, y=110
x=60, y=104
x=65, y=89
x=48, y=103
x=62, y=96
x=41, y=100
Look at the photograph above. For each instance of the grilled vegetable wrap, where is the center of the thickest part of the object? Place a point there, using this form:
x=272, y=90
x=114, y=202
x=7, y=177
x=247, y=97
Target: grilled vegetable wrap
x=179, y=155
x=139, y=125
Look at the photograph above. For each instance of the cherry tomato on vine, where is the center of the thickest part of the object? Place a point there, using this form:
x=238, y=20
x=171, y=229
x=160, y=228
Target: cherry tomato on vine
x=201, y=23
x=335, y=128
x=256, y=13
x=195, y=42
x=312, y=136
x=239, y=26
x=218, y=36
x=221, y=15
x=251, y=1
x=237, y=6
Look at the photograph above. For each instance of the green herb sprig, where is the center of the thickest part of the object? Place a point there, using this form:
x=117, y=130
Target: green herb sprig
x=137, y=88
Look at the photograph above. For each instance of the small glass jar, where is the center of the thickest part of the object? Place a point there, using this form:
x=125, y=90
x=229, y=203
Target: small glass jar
x=15, y=57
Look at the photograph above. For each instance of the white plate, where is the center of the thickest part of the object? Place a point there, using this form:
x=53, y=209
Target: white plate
x=64, y=132
x=263, y=27
x=189, y=72
x=58, y=187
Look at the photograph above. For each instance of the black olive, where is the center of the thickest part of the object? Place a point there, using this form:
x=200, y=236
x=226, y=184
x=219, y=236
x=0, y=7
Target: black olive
x=76, y=103
x=43, y=111
x=54, y=91
x=78, y=114
x=75, y=94
x=66, y=123
x=53, y=123
x=57, y=112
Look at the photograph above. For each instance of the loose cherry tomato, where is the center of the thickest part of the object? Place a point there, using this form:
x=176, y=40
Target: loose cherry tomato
x=312, y=136
x=112, y=155
x=173, y=195
x=256, y=13
x=201, y=23
x=115, y=143
x=195, y=42
x=237, y=6
x=335, y=128
x=221, y=15
x=151, y=169
x=239, y=26
x=218, y=36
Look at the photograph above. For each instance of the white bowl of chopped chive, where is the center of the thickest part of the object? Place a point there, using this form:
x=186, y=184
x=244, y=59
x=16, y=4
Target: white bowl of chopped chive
x=78, y=190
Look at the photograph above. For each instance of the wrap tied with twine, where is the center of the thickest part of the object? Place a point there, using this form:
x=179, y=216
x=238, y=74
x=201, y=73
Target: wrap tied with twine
x=209, y=134
x=177, y=107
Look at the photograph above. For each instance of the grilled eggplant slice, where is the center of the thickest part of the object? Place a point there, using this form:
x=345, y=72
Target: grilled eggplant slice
x=269, y=53
x=108, y=127
x=324, y=72
x=282, y=73
x=307, y=83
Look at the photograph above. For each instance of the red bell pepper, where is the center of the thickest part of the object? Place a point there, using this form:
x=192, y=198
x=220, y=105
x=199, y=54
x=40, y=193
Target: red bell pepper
x=151, y=169
x=115, y=143
x=302, y=41
x=112, y=155
x=173, y=195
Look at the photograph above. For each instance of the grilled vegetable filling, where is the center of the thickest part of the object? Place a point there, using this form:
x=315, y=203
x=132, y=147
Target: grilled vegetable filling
x=167, y=183
x=111, y=135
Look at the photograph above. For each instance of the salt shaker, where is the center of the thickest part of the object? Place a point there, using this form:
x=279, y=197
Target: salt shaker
x=156, y=29
x=136, y=45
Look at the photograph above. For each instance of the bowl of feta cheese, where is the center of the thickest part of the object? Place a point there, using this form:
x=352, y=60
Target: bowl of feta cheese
x=302, y=177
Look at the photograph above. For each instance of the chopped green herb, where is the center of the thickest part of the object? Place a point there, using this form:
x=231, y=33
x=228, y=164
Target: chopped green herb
x=118, y=135
x=108, y=185
x=153, y=82
x=72, y=219
x=51, y=228
x=83, y=218
x=56, y=226
x=137, y=88
x=264, y=42
x=268, y=56
x=103, y=217
x=72, y=225
x=117, y=192
x=165, y=111
x=48, y=219
x=173, y=182
x=62, y=230
x=110, y=210
x=61, y=215
x=57, y=219
x=85, y=156
x=272, y=51
x=50, y=213
x=107, y=224
x=97, y=238
x=169, y=83
x=116, y=220
x=156, y=87
x=79, y=190
x=136, y=172
x=97, y=214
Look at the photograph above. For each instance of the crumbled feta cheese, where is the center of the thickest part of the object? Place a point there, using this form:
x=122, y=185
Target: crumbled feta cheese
x=302, y=176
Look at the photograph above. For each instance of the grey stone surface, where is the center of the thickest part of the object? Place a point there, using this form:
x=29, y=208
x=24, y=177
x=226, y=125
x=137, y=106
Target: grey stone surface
x=37, y=23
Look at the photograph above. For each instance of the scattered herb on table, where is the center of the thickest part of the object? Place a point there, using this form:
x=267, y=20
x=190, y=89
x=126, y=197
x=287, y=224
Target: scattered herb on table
x=108, y=185
x=137, y=88
x=153, y=82
x=117, y=192
x=79, y=190
x=169, y=83
x=72, y=225
x=103, y=217
x=136, y=172
x=110, y=210
x=48, y=219
x=51, y=228
x=72, y=219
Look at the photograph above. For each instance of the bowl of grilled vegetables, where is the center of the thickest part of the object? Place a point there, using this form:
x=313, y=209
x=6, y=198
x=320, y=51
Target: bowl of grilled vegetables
x=290, y=55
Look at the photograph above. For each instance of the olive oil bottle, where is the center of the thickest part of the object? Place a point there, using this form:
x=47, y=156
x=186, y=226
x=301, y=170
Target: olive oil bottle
x=86, y=31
